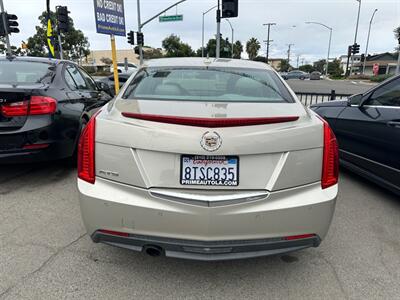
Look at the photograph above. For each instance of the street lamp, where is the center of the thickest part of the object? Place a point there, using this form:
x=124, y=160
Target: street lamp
x=202, y=30
x=330, y=41
x=355, y=36
x=230, y=24
x=369, y=32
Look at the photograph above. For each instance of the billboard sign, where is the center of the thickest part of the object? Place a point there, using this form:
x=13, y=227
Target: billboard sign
x=110, y=17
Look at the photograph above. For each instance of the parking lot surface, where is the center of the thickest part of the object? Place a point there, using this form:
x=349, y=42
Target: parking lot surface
x=45, y=253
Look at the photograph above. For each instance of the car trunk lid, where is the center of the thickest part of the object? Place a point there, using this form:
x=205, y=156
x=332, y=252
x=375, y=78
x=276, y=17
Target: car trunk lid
x=149, y=154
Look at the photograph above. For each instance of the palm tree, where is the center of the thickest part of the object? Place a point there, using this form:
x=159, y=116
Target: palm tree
x=252, y=47
x=237, y=49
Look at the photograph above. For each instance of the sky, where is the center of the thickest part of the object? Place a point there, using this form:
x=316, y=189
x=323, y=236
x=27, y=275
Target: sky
x=310, y=41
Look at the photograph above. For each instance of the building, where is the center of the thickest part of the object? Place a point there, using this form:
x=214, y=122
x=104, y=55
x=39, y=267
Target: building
x=275, y=63
x=95, y=57
x=343, y=61
x=386, y=62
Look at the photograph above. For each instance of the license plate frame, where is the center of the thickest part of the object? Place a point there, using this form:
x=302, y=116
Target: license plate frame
x=206, y=182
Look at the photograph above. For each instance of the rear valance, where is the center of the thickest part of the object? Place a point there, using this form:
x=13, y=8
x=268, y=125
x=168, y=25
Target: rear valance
x=210, y=122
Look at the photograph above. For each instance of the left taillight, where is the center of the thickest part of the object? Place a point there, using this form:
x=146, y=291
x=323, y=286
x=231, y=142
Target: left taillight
x=86, y=152
x=38, y=105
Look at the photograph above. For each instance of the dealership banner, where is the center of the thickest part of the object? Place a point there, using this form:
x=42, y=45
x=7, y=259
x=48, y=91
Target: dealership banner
x=110, y=17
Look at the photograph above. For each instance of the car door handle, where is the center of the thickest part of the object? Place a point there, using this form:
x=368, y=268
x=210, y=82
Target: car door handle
x=393, y=124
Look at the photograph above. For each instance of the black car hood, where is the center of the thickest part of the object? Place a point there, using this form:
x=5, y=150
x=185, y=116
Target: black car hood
x=334, y=103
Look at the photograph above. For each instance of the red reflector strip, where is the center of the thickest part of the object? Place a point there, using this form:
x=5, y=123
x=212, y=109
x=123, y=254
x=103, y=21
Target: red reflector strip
x=35, y=146
x=111, y=232
x=210, y=122
x=298, y=237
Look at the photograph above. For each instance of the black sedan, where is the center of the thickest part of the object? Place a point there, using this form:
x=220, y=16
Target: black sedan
x=108, y=84
x=367, y=127
x=44, y=104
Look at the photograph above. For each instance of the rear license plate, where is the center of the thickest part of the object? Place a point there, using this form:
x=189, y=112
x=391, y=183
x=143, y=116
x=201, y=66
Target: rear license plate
x=209, y=170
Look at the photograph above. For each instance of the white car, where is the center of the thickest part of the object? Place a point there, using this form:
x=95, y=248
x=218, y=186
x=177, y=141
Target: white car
x=131, y=68
x=209, y=160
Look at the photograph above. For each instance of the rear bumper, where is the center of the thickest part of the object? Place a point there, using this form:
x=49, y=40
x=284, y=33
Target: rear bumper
x=207, y=251
x=240, y=230
x=59, y=145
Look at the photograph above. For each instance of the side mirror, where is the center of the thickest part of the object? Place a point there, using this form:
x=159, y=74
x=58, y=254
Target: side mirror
x=104, y=87
x=355, y=100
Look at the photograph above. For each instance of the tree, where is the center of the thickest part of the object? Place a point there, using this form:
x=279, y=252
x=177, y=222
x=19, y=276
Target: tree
x=320, y=65
x=211, y=47
x=18, y=51
x=152, y=53
x=106, y=60
x=176, y=48
x=334, y=68
x=397, y=36
x=74, y=43
x=252, y=48
x=285, y=66
x=307, y=68
x=237, y=49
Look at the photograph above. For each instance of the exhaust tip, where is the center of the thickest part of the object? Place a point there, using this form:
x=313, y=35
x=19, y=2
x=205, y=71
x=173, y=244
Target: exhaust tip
x=153, y=250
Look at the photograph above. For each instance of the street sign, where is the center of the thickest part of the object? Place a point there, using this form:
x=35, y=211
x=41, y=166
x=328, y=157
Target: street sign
x=110, y=17
x=172, y=18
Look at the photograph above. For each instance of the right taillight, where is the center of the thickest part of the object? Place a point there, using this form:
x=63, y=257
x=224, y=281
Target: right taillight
x=86, y=155
x=330, y=161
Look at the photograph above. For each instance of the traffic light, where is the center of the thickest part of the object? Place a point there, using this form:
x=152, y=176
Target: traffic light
x=10, y=25
x=62, y=19
x=230, y=8
x=131, y=37
x=362, y=57
x=356, y=48
x=140, y=38
x=349, y=51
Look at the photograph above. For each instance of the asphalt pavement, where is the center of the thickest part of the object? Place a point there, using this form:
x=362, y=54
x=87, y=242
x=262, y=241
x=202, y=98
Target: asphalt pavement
x=325, y=86
x=46, y=254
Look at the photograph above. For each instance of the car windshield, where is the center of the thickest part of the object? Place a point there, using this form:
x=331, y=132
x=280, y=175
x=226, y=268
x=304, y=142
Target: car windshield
x=24, y=72
x=208, y=84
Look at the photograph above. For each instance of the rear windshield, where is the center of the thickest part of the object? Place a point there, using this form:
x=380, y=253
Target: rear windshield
x=24, y=72
x=208, y=84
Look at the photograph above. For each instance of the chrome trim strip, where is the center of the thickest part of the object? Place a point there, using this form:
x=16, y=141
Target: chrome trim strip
x=211, y=199
x=371, y=161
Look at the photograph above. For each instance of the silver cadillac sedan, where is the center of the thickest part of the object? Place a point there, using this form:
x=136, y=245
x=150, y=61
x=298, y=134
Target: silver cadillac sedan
x=207, y=159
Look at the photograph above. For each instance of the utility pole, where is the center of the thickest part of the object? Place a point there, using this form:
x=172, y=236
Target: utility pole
x=369, y=33
x=139, y=31
x=230, y=24
x=268, y=40
x=298, y=60
x=202, y=29
x=288, y=52
x=355, y=36
x=141, y=25
x=398, y=60
x=5, y=28
x=218, y=37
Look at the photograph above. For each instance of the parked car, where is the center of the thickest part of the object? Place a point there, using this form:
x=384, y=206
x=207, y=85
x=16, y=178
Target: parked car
x=315, y=75
x=209, y=160
x=296, y=75
x=131, y=68
x=44, y=104
x=368, y=130
x=108, y=82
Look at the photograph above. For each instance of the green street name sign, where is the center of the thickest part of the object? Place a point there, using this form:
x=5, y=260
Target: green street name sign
x=172, y=18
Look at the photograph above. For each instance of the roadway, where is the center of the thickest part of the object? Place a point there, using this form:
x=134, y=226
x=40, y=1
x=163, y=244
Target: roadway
x=45, y=252
x=325, y=86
